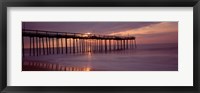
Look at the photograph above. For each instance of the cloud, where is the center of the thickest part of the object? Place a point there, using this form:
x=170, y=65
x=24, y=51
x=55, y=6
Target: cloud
x=163, y=27
x=164, y=32
x=83, y=27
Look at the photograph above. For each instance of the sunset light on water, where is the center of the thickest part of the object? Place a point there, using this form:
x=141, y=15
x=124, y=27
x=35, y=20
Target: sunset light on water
x=100, y=46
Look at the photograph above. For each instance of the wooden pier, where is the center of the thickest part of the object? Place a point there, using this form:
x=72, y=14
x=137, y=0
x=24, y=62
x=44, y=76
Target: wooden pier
x=51, y=42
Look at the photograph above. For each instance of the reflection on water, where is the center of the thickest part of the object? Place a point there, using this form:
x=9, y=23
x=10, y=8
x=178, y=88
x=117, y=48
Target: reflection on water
x=156, y=57
x=89, y=57
x=40, y=66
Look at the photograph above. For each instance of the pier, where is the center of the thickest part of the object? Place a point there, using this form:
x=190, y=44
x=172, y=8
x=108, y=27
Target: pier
x=52, y=42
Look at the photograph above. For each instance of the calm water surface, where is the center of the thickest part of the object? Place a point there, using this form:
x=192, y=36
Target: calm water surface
x=154, y=57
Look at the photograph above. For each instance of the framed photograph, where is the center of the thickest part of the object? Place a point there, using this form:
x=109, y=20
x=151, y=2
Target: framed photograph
x=100, y=46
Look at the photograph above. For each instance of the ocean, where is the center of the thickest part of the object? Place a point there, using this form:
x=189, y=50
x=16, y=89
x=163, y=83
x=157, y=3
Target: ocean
x=146, y=57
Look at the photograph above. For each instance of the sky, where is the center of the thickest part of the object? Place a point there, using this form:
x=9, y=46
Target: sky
x=145, y=32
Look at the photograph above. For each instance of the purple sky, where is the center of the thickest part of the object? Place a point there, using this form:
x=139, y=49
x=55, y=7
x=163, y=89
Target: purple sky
x=145, y=32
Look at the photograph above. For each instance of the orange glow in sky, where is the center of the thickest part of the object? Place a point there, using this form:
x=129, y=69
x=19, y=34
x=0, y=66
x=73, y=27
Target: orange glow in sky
x=164, y=32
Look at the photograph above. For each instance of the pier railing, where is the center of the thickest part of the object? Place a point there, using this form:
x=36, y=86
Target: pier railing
x=52, y=42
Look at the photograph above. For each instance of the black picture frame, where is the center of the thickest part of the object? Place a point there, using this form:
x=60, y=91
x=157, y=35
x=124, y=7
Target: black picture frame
x=100, y=3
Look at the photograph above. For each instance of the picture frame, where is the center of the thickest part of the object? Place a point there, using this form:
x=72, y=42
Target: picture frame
x=103, y=3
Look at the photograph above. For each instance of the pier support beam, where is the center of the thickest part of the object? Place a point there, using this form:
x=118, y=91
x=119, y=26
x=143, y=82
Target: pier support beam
x=126, y=44
x=105, y=45
x=61, y=40
x=40, y=46
x=135, y=44
x=109, y=45
x=30, y=48
x=37, y=45
x=43, y=46
x=73, y=45
x=33, y=46
x=77, y=46
x=57, y=45
x=53, y=45
x=70, y=45
x=121, y=44
x=66, y=46
x=47, y=46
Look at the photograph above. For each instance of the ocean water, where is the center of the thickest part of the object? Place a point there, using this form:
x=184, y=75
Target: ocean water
x=146, y=57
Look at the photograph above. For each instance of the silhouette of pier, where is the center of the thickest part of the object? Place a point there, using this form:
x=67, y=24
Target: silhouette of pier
x=52, y=42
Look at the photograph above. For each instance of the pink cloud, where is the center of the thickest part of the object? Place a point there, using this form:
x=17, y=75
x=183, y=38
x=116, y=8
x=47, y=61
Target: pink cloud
x=165, y=32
